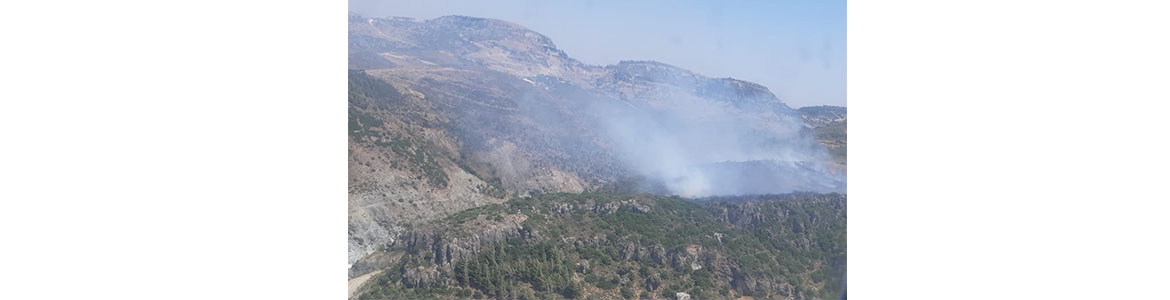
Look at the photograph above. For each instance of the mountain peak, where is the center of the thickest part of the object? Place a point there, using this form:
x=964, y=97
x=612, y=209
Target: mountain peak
x=486, y=29
x=457, y=41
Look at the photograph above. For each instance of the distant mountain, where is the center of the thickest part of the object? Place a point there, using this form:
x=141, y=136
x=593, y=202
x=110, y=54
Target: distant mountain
x=829, y=124
x=455, y=113
x=817, y=116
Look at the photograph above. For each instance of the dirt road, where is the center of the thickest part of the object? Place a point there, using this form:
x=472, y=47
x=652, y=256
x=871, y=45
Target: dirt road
x=357, y=282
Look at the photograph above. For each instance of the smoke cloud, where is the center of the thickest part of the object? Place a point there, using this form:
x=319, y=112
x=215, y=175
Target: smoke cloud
x=697, y=146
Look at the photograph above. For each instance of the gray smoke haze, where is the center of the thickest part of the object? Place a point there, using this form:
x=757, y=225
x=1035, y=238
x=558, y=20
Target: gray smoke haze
x=697, y=146
x=682, y=132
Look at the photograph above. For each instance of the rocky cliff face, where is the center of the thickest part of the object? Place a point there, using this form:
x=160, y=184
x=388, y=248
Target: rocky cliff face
x=458, y=112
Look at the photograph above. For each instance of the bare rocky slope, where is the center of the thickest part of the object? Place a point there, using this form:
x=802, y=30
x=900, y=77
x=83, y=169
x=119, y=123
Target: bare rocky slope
x=817, y=116
x=457, y=112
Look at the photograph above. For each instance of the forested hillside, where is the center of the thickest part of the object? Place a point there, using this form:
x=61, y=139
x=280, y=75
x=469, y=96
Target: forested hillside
x=605, y=246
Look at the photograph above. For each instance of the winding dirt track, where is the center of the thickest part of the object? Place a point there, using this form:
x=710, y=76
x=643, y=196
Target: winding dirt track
x=356, y=282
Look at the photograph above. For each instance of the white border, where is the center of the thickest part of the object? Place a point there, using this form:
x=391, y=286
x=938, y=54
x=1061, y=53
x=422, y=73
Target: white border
x=193, y=150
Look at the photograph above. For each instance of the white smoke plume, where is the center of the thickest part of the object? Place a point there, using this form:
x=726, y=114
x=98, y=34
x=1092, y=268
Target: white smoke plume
x=696, y=146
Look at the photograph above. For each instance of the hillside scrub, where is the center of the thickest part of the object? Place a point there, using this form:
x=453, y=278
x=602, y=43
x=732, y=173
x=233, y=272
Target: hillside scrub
x=575, y=246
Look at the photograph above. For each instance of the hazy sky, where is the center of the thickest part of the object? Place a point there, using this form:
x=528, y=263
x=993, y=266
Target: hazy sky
x=795, y=48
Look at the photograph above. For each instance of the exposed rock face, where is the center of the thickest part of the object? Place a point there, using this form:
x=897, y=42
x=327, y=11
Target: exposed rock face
x=422, y=277
x=687, y=258
x=632, y=204
x=474, y=236
x=757, y=284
